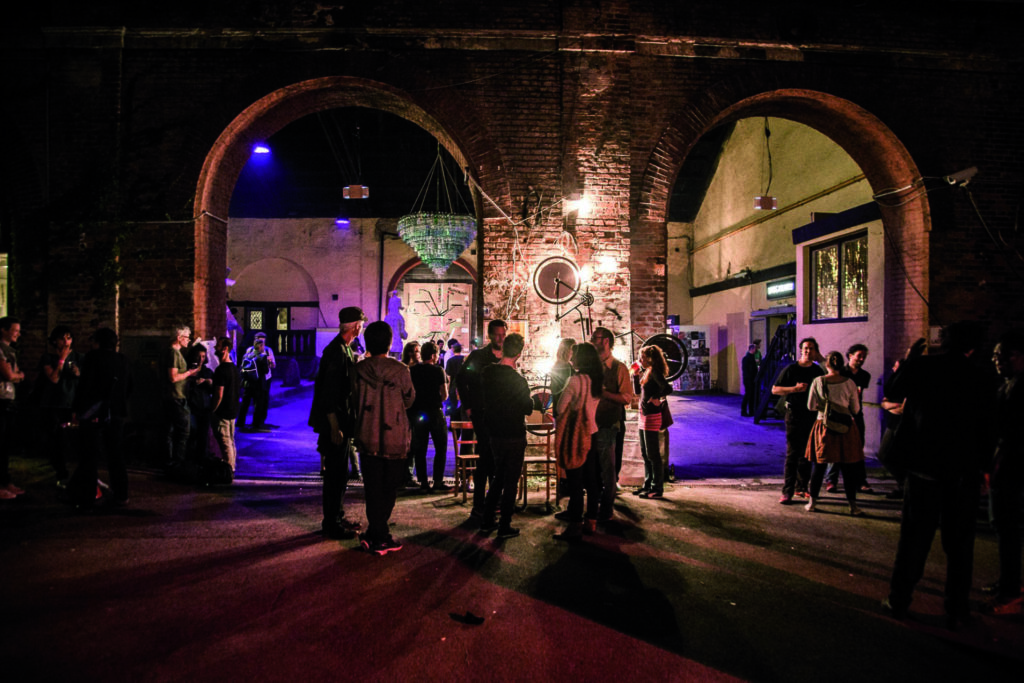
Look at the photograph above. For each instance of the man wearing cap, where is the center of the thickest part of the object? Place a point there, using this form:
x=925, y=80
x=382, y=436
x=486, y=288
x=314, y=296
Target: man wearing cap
x=332, y=417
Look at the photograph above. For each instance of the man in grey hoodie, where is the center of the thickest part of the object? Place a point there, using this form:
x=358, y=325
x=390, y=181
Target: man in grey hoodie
x=383, y=394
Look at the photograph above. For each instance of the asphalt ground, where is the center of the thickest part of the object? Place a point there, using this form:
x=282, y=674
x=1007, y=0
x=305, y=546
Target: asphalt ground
x=715, y=582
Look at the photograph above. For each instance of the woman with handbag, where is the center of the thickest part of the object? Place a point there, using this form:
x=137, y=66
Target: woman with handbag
x=654, y=418
x=834, y=437
x=576, y=422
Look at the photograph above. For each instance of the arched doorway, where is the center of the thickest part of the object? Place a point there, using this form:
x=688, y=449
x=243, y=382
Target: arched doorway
x=232, y=150
x=435, y=308
x=884, y=160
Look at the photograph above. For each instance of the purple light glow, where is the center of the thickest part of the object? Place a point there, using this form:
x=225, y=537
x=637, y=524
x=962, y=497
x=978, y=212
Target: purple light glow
x=341, y=223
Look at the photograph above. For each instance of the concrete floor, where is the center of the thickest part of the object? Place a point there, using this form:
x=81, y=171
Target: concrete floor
x=715, y=582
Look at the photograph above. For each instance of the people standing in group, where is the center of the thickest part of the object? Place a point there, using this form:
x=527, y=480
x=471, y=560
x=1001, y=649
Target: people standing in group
x=854, y=369
x=507, y=403
x=1006, y=478
x=258, y=365
x=654, y=419
x=199, y=391
x=561, y=370
x=942, y=437
x=333, y=417
x=748, y=371
x=10, y=376
x=60, y=370
x=468, y=381
x=617, y=393
x=451, y=369
x=178, y=418
x=575, y=426
x=428, y=421
x=101, y=411
x=383, y=394
x=227, y=390
x=793, y=383
x=827, y=447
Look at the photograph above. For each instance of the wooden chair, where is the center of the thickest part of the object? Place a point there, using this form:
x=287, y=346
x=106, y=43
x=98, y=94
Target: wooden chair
x=465, y=463
x=544, y=465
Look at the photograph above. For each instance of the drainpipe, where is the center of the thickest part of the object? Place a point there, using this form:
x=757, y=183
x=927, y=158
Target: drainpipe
x=380, y=274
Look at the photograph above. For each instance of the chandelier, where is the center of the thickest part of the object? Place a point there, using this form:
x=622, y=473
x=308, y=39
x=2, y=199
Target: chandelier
x=439, y=236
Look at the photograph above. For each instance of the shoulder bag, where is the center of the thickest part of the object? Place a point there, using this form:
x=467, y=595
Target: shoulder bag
x=835, y=421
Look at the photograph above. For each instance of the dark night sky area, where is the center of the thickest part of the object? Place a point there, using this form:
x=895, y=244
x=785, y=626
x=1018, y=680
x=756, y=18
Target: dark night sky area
x=313, y=158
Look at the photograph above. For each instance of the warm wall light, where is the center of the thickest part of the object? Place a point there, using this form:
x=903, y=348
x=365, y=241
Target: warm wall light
x=607, y=264
x=586, y=274
x=582, y=207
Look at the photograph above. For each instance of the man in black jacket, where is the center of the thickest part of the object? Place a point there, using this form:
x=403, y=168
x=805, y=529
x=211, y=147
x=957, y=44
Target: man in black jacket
x=468, y=383
x=507, y=402
x=942, y=436
x=332, y=417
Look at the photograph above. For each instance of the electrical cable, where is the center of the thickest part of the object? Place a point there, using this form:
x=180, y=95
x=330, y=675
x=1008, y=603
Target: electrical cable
x=768, y=147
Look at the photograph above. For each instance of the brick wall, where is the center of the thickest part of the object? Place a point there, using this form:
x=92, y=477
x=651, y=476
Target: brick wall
x=603, y=99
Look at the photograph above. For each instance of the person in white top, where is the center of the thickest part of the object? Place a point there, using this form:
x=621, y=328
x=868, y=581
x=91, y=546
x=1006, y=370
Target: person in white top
x=827, y=445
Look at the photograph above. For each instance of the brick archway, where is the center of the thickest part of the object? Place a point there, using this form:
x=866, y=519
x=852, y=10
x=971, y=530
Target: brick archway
x=885, y=161
x=259, y=121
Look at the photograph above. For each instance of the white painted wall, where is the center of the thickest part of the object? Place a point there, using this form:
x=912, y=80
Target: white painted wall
x=728, y=235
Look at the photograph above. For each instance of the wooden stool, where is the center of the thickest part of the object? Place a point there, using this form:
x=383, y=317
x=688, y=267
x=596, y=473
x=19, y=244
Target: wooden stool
x=465, y=463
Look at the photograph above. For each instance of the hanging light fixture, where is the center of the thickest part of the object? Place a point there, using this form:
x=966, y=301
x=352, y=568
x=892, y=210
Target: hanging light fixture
x=439, y=236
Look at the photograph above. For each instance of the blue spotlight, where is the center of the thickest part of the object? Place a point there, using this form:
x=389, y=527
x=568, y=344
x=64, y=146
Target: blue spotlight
x=261, y=149
x=341, y=223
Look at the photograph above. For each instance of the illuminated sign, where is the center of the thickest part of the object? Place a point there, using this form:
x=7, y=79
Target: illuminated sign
x=781, y=289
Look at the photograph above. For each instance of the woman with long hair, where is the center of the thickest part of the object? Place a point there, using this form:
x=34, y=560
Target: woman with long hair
x=838, y=394
x=575, y=423
x=411, y=354
x=654, y=388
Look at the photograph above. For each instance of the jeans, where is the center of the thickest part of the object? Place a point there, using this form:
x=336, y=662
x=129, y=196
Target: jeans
x=484, y=471
x=335, y=463
x=851, y=478
x=424, y=427
x=508, y=466
x=797, y=468
x=258, y=394
x=574, y=490
x=381, y=480
x=599, y=474
x=98, y=439
x=929, y=505
x=177, y=430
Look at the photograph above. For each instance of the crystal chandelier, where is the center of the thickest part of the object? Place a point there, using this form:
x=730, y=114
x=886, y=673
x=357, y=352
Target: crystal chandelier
x=438, y=237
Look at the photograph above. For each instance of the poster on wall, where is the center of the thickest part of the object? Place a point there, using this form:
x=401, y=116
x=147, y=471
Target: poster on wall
x=437, y=311
x=697, y=376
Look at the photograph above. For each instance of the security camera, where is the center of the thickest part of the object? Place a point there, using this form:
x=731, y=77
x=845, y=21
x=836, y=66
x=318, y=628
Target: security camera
x=962, y=177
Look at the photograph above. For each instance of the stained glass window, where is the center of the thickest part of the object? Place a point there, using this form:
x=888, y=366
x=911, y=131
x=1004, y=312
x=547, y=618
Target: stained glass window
x=839, y=272
x=256, y=319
